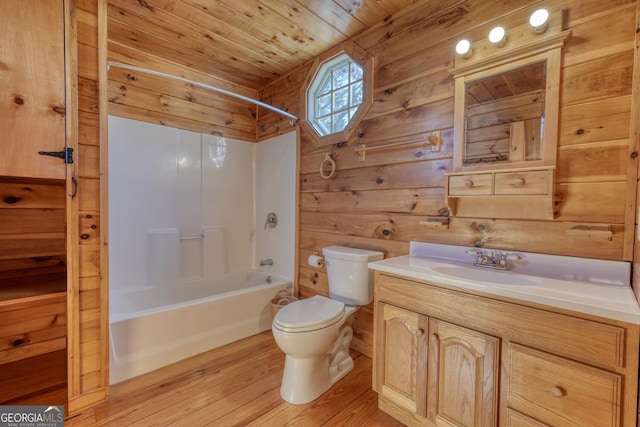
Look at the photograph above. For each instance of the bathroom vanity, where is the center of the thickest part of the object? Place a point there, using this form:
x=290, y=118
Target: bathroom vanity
x=467, y=346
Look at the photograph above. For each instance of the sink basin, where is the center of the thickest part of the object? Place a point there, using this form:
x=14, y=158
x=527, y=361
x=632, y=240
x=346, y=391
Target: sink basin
x=478, y=274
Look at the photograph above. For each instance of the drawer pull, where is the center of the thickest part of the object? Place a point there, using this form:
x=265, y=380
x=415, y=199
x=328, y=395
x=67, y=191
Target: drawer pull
x=519, y=182
x=420, y=332
x=558, y=391
x=468, y=183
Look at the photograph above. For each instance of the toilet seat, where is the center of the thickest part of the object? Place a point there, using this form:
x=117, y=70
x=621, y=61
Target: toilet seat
x=310, y=314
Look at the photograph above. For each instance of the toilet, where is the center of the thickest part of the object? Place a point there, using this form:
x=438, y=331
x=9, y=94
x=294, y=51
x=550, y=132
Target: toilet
x=315, y=333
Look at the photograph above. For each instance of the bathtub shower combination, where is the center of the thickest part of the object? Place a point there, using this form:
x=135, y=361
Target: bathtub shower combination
x=173, y=319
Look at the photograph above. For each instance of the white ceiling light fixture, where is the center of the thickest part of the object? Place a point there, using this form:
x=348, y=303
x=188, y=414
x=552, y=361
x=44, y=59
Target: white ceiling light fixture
x=498, y=36
x=539, y=20
x=463, y=48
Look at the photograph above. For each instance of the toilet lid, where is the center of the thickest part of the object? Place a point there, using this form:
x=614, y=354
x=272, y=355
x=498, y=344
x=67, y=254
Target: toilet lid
x=310, y=313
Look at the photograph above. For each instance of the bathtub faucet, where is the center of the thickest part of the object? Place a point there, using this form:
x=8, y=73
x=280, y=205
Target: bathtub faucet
x=267, y=261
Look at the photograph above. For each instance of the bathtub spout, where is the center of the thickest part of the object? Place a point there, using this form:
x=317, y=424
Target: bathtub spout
x=267, y=261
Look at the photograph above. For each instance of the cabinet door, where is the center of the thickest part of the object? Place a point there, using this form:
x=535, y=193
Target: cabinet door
x=32, y=88
x=401, y=357
x=463, y=376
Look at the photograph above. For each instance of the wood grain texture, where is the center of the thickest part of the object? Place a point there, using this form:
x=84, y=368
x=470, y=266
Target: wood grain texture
x=540, y=376
x=25, y=99
x=239, y=46
x=393, y=189
x=238, y=384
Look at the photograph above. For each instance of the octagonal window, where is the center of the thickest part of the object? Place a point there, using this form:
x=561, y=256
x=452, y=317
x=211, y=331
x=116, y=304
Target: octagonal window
x=335, y=94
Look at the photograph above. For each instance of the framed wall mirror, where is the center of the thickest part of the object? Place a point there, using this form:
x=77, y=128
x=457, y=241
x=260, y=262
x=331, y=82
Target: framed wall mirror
x=506, y=108
x=504, y=116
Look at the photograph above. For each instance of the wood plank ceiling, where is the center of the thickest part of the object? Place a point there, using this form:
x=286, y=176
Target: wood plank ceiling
x=249, y=43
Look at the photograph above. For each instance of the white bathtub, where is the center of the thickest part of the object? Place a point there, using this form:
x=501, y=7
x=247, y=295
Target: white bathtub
x=154, y=327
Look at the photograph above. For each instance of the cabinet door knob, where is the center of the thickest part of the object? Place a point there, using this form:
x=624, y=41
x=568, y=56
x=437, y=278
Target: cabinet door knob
x=420, y=332
x=519, y=182
x=558, y=391
x=468, y=183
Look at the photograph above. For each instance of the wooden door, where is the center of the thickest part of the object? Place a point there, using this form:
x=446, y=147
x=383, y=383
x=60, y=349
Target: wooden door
x=401, y=357
x=463, y=376
x=32, y=88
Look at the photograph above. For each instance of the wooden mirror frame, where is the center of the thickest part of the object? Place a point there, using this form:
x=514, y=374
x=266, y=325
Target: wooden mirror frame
x=547, y=49
x=365, y=60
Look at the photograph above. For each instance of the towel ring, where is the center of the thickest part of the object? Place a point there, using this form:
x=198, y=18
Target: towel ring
x=332, y=164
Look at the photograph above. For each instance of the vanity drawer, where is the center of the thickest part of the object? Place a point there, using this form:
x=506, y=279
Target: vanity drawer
x=516, y=419
x=560, y=391
x=470, y=185
x=530, y=182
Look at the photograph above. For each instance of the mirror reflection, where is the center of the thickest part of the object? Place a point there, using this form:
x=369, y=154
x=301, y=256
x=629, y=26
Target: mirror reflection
x=504, y=116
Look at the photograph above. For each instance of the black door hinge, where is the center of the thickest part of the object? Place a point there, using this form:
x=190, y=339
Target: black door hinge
x=66, y=154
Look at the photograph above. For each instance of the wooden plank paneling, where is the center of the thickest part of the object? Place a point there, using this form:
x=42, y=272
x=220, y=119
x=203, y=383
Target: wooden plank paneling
x=31, y=89
x=30, y=195
x=595, y=162
x=46, y=372
x=245, y=44
x=393, y=176
x=418, y=201
x=31, y=221
x=607, y=126
x=379, y=203
x=423, y=118
x=598, y=79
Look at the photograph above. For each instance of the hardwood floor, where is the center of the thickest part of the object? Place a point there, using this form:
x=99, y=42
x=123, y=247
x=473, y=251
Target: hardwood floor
x=235, y=385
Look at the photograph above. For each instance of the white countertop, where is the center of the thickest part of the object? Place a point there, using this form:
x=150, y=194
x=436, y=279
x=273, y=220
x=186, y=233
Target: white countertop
x=610, y=298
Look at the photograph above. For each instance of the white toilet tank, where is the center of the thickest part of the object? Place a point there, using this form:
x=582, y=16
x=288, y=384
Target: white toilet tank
x=350, y=279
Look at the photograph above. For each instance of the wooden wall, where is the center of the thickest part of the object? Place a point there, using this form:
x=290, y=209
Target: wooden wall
x=379, y=203
x=88, y=348
x=50, y=234
x=163, y=101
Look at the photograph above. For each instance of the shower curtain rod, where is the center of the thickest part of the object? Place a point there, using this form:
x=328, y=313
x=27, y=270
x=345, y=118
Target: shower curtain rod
x=293, y=118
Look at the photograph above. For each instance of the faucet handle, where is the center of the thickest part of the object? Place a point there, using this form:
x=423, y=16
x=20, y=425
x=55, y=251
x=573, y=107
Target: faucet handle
x=473, y=252
x=506, y=256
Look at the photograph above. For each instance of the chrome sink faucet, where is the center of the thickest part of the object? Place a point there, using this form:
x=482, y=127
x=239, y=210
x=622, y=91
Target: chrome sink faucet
x=492, y=259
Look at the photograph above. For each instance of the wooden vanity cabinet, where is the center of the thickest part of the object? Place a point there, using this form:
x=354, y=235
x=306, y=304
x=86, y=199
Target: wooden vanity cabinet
x=434, y=370
x=462, y=376
x=401, y=353
x=447, y=357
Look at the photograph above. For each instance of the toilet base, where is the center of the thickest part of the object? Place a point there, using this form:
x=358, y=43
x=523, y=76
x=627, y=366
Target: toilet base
x=306, y=379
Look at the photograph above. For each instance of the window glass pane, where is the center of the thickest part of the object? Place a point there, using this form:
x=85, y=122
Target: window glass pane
x=325, y=87
x=334, y=96
x=340, y=99
x=323, y=106
x=356, y=72
x=356, y=94
x=324, y=125
x=340, y=121
x=341, y=76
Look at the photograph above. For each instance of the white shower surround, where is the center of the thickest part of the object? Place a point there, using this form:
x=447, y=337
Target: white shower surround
x=168, y=190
